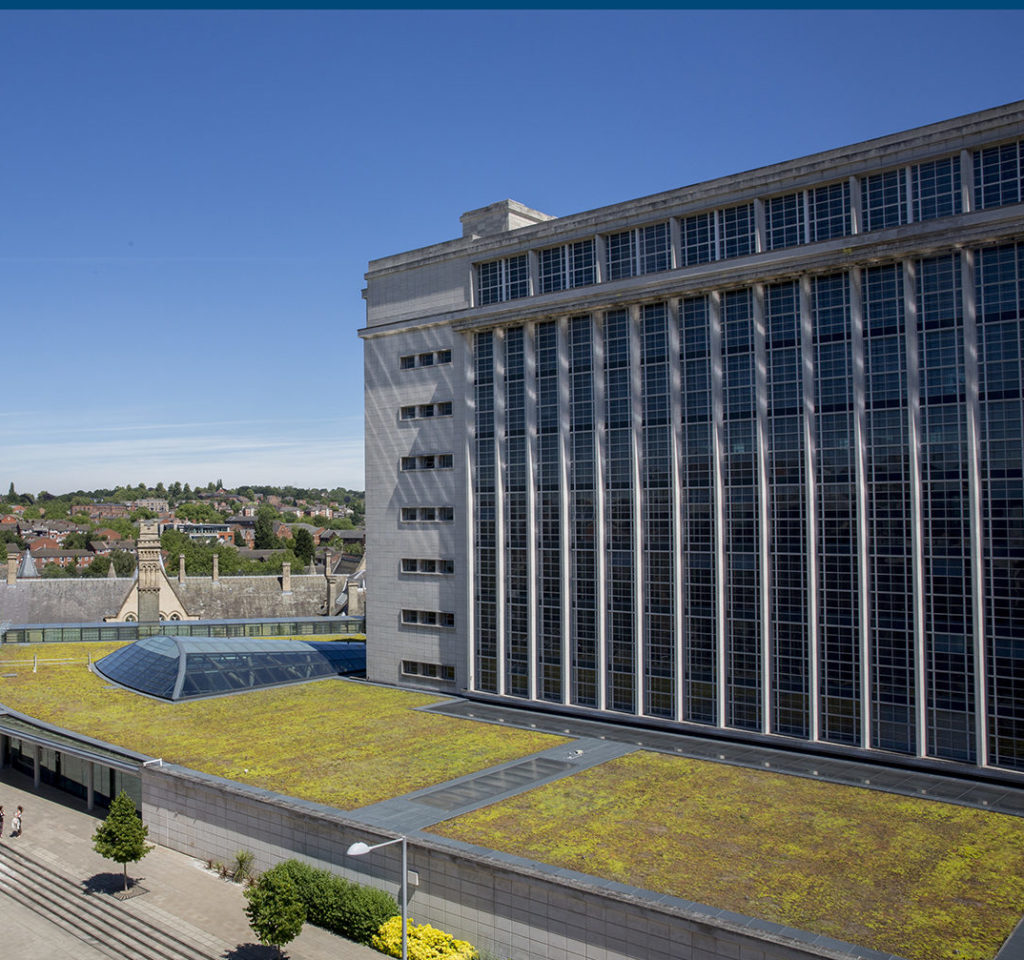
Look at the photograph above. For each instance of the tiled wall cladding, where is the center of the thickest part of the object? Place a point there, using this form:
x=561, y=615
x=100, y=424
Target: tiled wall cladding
x=507, y=907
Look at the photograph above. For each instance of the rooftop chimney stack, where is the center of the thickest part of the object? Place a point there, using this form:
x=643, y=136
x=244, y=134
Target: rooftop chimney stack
x=181, y=568
x=216, y=567
x=286, y=577
x=12, y=570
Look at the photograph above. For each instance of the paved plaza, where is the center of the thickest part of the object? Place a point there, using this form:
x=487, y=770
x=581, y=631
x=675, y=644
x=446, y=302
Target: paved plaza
x=182, y=896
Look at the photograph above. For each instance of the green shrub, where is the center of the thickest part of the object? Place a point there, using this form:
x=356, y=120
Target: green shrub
x=338, y=905
x=368, y=910
x=424, y=942
x=242, y=868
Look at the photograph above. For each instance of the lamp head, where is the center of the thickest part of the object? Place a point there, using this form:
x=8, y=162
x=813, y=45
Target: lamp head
x=358, y=849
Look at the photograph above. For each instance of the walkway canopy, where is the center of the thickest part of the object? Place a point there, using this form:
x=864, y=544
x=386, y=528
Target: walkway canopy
x=183, y=668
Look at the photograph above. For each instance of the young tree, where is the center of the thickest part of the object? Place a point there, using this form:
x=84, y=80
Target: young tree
x=122, y=836
x=123, y=561
x=275, y=912
x=265, y=537
x=303, y=547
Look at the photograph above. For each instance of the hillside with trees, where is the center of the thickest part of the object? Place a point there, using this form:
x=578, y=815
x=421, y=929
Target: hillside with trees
x=89, y=517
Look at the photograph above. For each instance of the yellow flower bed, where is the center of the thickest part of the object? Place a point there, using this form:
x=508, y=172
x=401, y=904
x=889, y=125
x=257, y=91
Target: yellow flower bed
x=423, y=942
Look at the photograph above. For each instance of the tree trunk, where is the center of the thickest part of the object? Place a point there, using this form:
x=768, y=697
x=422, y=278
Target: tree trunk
x=126, y=878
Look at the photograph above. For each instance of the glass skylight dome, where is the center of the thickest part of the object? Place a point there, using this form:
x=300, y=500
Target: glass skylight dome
x=183, y=668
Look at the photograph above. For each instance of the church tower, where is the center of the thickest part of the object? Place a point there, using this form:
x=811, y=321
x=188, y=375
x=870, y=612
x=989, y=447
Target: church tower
x=149, y=571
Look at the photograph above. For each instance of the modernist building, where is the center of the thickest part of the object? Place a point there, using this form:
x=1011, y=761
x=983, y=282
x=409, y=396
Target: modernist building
x=744, y=455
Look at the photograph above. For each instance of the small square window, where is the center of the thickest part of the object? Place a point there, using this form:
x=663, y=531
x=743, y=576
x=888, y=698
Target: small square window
x=408, y=413
x=426, y=360
x=444, y=356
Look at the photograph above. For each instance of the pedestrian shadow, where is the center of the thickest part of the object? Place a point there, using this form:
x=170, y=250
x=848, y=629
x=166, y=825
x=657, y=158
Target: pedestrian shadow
x=253, y=951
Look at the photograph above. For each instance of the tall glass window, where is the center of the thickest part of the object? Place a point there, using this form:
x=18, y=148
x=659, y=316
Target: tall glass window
x=658, y=516
x=566, y=267
x=636, y=252
x=1000, y=298
x=999, y=175
x=737, y=231
x=742, y=515
x=584, y=611
x=788, y=575
x=699, y=239
x=884, y=200
x=501, y=280
x=936, y=188
x=828, y=211
x=784, y=221
x=517, y=533
x=890, y=583
x=948, y=603
x=835, y=485
x=620, y=558
x=697, y=515
x=547, y=497
x=485, y=532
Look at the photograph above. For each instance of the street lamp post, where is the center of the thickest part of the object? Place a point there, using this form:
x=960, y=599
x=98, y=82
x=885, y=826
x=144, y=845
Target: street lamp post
x=359, y=849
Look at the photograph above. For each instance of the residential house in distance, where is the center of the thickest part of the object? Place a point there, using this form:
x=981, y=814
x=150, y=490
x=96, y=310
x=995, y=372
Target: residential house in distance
x=99, y=511
x=742, y=457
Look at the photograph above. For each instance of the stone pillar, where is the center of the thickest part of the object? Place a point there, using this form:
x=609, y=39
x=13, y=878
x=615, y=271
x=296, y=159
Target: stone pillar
x=286, y=578
x=181, y=568
x=355, y=600
x=37, y=765
x=216, y=567
x=12, y=570
x=90, y=793
x=332, y=595
x=4, y=747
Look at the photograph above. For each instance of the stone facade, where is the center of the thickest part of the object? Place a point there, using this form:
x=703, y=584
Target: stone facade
x=740, y=456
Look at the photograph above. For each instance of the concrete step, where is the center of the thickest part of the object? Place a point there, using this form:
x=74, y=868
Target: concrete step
x=95, y=918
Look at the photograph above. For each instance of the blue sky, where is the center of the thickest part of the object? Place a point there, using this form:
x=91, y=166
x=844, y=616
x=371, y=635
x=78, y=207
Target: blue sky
x=188, y=199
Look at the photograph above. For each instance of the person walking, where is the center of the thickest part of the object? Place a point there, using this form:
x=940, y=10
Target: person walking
x=16, y=823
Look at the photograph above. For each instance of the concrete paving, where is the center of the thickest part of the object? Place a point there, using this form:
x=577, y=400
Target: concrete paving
x=182, y=896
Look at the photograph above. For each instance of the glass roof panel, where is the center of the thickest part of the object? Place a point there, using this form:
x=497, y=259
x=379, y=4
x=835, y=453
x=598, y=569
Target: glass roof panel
x=219, y=665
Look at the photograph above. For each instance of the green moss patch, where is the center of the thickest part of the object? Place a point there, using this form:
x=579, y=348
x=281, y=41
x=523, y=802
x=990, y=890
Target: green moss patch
x=918, y=878
x=342, y=743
